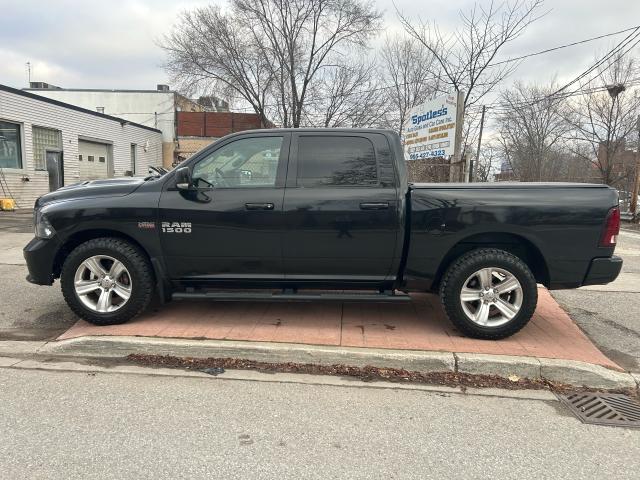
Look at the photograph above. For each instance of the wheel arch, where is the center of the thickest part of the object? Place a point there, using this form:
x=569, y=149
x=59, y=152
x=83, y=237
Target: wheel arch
x=77, y=238
x=515, y=244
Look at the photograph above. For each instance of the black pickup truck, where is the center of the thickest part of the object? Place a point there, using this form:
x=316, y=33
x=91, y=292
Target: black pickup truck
x=302, y=214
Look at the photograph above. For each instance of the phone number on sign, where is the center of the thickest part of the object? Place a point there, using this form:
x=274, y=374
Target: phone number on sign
x=429, y=154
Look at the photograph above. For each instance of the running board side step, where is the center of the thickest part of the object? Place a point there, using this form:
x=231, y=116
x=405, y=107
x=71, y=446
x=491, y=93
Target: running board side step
x=300, y=297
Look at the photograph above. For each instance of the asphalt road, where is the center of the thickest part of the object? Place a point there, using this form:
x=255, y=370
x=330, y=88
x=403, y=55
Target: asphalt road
x=28, y=312
x=610, y=314
x=57, y=425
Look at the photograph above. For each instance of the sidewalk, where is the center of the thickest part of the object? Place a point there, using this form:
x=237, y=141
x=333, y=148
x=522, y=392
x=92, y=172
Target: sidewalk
x=419, y=325
x=415, y=337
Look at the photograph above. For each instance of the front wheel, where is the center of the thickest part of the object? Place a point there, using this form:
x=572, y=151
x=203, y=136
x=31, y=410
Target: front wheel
x=489, y=294
x=107, y=281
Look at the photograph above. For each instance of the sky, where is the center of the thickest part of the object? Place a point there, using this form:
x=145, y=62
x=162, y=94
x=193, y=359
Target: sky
x=114, y=43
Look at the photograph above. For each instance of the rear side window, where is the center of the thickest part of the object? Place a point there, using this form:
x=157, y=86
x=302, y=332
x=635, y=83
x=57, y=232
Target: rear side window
x=336, y=161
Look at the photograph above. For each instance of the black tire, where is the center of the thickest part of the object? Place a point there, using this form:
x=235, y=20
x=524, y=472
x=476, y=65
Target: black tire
x=471, y=262
x=139, y=269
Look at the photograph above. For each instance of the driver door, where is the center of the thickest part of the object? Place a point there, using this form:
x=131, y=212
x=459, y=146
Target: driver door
x=233, y=231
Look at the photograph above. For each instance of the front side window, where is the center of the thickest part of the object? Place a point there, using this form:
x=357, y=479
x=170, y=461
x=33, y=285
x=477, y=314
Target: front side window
x=248, y=162
x=44, y=139
x=336, y=161
x=10, y=145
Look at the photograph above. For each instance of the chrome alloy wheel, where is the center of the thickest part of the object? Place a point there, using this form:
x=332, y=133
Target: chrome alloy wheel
x=102, y=284
x=491, y=297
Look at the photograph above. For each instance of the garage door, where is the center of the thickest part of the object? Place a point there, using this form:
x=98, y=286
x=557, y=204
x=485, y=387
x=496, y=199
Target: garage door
x=93, y=160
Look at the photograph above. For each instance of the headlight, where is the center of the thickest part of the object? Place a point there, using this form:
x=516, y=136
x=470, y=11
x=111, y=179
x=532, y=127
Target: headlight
x=43, y=228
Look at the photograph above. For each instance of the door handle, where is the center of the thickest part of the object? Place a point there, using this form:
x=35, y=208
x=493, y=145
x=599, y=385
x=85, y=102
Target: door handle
x=374, y=206
x=259, y=206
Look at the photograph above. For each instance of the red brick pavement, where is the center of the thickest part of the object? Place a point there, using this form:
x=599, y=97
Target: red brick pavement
x=418, y=325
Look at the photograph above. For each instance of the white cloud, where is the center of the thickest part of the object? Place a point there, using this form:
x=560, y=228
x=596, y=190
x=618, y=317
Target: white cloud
x=113, y=44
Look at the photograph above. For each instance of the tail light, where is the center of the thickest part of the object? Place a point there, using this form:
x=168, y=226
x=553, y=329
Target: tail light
x=611, y=228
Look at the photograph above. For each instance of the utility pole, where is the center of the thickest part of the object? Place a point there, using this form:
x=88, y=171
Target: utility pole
x=472, y=174
x=636, y=179
x=456, y=162
x=28, y=65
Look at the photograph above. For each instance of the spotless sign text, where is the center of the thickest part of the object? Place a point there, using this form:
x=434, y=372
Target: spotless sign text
x=430, y=129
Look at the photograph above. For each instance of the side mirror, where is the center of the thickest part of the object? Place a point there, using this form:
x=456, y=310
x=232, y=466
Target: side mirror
x=183, y=178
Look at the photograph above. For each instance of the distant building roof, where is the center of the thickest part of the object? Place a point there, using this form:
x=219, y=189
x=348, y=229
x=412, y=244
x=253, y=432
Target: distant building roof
x=51, y=101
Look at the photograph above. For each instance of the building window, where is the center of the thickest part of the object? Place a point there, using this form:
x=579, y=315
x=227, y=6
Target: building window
x=101, y=159
x=80, y=157
x=90, y=158
x=44, y=139
x=10, y=145
x=133, y=158
x=100, y=109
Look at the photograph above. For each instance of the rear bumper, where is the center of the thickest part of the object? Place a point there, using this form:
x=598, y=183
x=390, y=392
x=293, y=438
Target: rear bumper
x=40, y=255
x=603, y=270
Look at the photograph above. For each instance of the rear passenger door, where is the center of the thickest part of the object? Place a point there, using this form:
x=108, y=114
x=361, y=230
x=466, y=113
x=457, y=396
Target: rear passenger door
x=341, y=210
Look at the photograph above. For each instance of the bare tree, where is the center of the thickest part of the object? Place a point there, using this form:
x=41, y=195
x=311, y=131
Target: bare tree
x=348, y=95
x=412, y=75
x=489, y=157
x=208, y=51
x=606, y=117
x=466, y=55
x=532, y=127
x=270, y=53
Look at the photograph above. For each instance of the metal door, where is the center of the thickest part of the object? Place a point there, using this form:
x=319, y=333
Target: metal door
x=55, y=169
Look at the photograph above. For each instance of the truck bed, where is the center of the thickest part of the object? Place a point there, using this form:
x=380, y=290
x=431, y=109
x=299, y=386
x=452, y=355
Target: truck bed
x=558, y=225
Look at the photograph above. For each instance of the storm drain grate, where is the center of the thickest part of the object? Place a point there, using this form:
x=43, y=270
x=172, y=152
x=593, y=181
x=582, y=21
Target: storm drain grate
x=603, y=408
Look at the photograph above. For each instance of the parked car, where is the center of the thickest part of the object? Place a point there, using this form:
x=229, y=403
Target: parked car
x=317, y=210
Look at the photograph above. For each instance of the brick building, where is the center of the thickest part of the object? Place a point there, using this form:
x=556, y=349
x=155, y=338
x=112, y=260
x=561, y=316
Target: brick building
x=196, y=130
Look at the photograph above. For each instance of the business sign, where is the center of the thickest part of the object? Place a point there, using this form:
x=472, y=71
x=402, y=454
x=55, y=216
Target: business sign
x=430, y=129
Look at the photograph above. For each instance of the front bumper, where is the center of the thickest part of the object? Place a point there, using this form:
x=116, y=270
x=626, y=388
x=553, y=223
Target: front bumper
x=603, y=270
x=40, y=255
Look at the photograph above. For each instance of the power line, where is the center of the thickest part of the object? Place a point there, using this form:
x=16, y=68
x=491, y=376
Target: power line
x=548, y=50
x=624, y=44
x=614, y=51
x=500, y=107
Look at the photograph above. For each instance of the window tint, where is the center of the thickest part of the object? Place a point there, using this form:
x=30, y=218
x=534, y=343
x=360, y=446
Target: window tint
x=336, y=161
x=248, y=162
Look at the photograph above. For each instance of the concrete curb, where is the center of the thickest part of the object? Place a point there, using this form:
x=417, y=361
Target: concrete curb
x=556, y=370
x=565, y=371
x=501, y=365
x=17, y=347
x=65, y=365
x=257, y=351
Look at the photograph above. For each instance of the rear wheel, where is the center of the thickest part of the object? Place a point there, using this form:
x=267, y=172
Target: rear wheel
x=489, y=294
x=107, y=281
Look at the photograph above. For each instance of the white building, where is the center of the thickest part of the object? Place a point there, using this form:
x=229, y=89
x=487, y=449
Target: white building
x=154, y=108
x=45, y=143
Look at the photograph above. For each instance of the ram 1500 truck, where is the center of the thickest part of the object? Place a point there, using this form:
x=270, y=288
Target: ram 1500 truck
x=287, y=214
